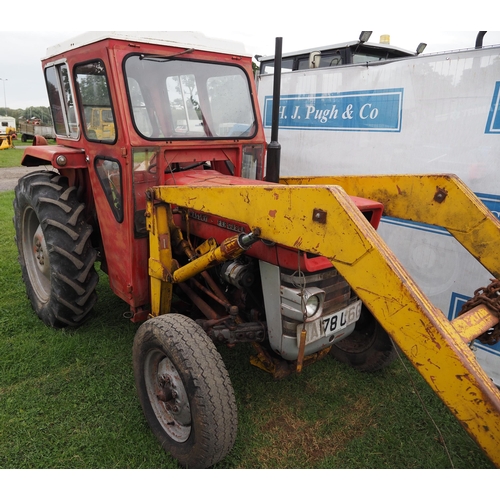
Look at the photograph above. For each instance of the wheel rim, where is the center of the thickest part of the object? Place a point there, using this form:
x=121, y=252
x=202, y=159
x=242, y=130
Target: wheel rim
x=36, y=255
x=168, y=396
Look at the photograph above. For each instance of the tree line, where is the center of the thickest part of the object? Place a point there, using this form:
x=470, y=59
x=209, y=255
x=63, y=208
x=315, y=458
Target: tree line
x=41, y=113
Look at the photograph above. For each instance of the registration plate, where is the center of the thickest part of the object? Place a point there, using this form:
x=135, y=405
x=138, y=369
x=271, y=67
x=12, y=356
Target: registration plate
x=332, y=324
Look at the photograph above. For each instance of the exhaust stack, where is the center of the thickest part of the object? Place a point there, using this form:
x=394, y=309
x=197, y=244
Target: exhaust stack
x=274, y=147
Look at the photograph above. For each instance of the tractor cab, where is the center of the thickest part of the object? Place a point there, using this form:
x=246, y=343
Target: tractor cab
x=133, y=110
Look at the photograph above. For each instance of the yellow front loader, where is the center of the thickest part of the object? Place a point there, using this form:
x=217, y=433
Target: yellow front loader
x=287, y=214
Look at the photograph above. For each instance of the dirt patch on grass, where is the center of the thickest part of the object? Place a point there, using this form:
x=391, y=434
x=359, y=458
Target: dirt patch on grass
x=294, y=439
x=10, y=175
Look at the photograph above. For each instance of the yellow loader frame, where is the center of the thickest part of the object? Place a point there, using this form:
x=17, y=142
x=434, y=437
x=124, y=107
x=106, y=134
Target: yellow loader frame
x=288, y=215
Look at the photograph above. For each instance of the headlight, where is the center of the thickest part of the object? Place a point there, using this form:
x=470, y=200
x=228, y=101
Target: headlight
x=312, y=305
x=295, y=302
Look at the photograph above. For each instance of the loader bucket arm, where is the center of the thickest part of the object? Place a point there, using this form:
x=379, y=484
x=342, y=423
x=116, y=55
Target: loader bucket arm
x=286, y=215
x=440, y=200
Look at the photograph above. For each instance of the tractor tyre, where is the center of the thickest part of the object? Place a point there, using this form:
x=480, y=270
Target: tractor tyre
x=55, y=252
x=184, y=390
x=369, y=348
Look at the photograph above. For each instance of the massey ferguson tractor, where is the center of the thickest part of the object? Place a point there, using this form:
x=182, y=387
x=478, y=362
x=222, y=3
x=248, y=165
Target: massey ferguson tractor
x=172, y=203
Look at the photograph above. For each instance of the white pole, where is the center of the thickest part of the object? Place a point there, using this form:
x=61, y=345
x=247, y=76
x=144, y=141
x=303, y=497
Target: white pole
x=4, y=95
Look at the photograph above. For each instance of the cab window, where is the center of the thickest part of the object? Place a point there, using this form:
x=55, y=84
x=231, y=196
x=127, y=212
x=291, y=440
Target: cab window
x=267, y=67
x=185, y=99
x=62, y=103
x=95, y=101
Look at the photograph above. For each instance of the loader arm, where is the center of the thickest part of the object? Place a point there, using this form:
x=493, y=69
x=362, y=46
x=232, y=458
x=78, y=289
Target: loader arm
x=287, y=215
x=440, y=200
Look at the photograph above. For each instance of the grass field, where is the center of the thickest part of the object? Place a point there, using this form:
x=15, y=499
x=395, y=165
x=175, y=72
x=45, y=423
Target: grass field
x=12, y=157
x=68, y=400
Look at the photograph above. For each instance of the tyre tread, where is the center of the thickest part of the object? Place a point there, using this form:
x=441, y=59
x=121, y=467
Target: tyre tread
x=61, y=216
x=216, y=426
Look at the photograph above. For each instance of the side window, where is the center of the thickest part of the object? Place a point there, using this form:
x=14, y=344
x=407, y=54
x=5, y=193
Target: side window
x=331, y=59
x=267, y=68
x=62, y=103
x=366, y=57
x=110, y=175
x=303, y=63
x=326, y=60
x=95, y=101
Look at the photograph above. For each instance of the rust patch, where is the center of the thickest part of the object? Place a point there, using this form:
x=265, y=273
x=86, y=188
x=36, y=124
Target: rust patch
x=298, y=242
x=272, y=213
x=430, y=333
x=462, y=377
x=429, y=363
x=246, y=198
x=440, y=195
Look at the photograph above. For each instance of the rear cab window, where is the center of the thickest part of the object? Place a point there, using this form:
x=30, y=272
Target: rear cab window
x=61, y=99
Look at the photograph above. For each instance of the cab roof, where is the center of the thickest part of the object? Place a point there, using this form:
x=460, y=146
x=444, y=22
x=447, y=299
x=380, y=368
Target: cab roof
x=181, y=39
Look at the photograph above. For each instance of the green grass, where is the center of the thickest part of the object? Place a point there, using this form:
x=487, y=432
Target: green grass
x=68, y=400
x=12, y=157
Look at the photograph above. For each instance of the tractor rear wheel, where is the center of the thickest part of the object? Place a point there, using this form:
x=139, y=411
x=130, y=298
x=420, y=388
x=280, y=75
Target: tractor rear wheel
x=55, y=252
x=184, y=390
x=369, y=348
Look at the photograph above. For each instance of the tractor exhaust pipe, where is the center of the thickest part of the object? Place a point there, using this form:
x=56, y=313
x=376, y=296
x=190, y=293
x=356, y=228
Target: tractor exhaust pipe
x=274, y=148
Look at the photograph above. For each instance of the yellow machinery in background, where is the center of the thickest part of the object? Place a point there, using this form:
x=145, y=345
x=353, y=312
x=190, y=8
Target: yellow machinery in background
x=7, y=139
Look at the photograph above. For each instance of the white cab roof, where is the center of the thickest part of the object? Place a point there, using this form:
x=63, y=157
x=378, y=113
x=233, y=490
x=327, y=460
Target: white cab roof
x=181, y=39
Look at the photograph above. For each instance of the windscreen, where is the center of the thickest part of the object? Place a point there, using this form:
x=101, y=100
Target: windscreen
x=184, y=99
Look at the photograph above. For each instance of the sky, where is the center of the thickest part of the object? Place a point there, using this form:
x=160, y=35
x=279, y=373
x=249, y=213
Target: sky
x=256, y=24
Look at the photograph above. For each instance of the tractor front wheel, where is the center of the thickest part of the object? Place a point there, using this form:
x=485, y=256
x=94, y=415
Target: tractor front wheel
x=184, y=390
x=55, y=252
x=368, y=348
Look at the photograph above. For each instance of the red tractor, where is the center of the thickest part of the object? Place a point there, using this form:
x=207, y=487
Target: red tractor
x=165, y=202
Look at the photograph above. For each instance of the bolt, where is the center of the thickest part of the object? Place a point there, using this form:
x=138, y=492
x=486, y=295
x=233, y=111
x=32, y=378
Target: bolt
x=440, y=195
x=319, y=216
